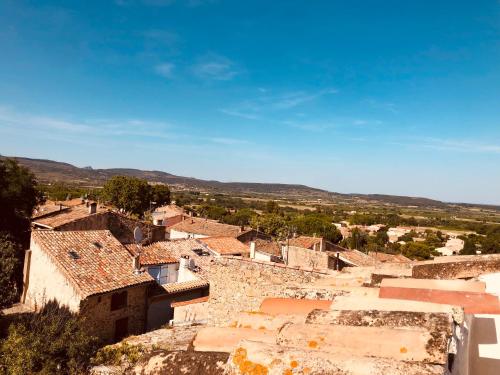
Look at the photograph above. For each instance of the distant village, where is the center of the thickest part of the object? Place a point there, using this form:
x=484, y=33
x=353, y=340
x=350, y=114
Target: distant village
x=202, y=297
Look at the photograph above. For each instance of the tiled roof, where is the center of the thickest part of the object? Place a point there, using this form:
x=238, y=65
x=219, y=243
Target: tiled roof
x=170, y=210
x=185, y=286
x=225, y=245
x=47, y=209
x=269, y=247
x=93, y=261
x=189, y=302
x=356, y=258
x=304, y=241
x=156, y=253
x=206, y=227
x=389, y=258
x=64, y=217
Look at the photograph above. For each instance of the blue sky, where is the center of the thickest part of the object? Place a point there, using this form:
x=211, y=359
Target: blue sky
x=392, y=97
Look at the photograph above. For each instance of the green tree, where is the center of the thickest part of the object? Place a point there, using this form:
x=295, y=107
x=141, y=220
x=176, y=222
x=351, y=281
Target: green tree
x=51, y=341
x=272, y=224
x=160, y=195
x=18, y=197
x=133, y=195
x=358, y=239
x=317, y=224
x=381, y=238
x=272, y=207
x=418, y=251
x=11, y=254
x=240, y=217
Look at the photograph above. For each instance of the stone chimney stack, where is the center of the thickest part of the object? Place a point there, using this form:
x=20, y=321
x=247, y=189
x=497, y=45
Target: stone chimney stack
x=252, y=250
x=184, y=261
x=136, y=264
x=92, y=208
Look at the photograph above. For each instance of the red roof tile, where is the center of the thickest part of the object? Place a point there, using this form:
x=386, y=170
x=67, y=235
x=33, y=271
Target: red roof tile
x=225, y=245
x=304, y=241
x=156, y=253
x=206, y=227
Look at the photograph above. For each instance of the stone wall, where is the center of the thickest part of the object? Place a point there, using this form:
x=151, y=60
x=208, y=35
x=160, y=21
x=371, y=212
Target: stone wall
x=241, y=285
x=121, y=226
x=101, y=320
x=460, y=267
x=299, y=257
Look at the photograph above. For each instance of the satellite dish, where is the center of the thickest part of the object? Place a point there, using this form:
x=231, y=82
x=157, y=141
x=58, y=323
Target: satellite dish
x=138, y=235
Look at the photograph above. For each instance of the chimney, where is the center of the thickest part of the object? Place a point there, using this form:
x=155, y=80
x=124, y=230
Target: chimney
x=252, y=250
x=322, y=244
x=136, y=264
x=184, y=261
x=93, y=208
x=242, y=228
x=60, y=206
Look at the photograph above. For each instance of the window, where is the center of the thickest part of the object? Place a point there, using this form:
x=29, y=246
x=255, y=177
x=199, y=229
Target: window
x=119, y=300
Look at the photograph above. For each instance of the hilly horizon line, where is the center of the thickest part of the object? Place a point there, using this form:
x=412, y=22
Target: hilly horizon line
x=43, y=173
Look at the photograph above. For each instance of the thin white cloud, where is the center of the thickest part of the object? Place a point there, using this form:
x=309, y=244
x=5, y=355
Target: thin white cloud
x=461, y=145
x=165, y=69
x=449, y=144
x=228, y=141
x=236, y=113
x=262, y=106
x=294, y=99
x=215, y=67
x=84, y=128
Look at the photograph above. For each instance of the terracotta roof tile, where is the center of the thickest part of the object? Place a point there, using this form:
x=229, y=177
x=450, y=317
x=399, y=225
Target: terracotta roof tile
x=389, y=258
x=304, y=241
x=156, y=253
x=225, y=245
x=64, y=217
x=170, y=210
x=356, y=258
x=205, y=227
x=185, y=286
x=93, y=261
x=269, y=247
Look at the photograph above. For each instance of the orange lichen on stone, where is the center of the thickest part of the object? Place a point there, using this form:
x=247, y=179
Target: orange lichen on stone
x=245, y=366
x=293, y=364
x=313, y=344
x=403, y=350
x=287, y=372
x=239, y=356
x=233, y=324
x=262, y=327
x=275, y=362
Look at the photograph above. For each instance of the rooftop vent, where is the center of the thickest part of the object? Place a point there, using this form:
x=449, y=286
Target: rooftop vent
x=97, y=244
x=73, y=254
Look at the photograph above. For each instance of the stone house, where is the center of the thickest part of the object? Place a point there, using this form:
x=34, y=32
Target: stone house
x=168, y=215
x=120, y=290
x=91, y=217
x=92, y=274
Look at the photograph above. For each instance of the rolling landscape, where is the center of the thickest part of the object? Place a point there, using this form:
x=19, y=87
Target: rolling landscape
x=49, y=171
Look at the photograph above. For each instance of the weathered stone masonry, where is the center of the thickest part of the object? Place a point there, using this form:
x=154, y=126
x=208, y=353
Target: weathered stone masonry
x=241, y=285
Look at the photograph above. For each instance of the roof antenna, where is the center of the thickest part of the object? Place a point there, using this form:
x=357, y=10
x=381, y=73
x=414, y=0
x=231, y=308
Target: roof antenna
x=136, y=261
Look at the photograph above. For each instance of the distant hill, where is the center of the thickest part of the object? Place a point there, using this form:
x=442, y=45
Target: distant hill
x=52, y=171
x=48, y=171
